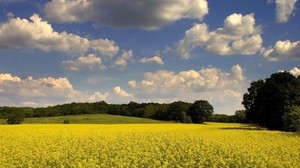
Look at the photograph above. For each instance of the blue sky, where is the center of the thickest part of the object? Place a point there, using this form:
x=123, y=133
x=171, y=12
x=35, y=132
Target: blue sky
x=62, y=51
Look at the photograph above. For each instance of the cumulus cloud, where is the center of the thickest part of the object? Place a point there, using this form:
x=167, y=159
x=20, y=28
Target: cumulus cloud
x=223, y=89
x=91, y=61
x=284, y=9
x=122, y=60
x=146, y=14
x=237, y=73
x=120, y=92
x=16, y=91
x=98, y=96
x=239, y=35
x=282, y=50
x=36, y=33
x=154, y=59
x=295, y=71
x=132, y=84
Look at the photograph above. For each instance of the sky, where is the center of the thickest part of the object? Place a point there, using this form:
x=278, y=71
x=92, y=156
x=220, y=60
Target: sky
x=62, y=51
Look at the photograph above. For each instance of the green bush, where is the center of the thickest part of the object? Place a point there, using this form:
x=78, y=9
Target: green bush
x=15, y=119
x=66, y=121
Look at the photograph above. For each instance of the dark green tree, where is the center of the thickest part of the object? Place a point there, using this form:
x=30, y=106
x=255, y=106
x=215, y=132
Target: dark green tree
x=267, y=102
x=184, y=118
x=15, y=118
x=176, y=109
x=240, y=116
x=149, y=111
x=200, y=111
x=280, y=92
x=223, y=118
x=66, y=121
x=250, y=101
x=291, y=120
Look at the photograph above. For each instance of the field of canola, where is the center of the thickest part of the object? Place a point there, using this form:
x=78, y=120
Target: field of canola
x=146, y=145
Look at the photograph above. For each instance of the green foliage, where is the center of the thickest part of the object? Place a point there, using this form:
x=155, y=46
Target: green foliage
x=223, y=118
x=176, y=111
x=268, y=101
x=291, y=119
x=15, y=119
x=184, y=118
x=66, y=121
x=240, y=116
x=200, y=111
x=250, y=101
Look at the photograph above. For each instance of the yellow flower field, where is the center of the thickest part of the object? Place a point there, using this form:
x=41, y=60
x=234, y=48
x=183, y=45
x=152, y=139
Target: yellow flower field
x=146, y=145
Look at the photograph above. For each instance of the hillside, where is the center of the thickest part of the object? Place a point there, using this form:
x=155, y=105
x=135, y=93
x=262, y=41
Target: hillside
x=87, y=119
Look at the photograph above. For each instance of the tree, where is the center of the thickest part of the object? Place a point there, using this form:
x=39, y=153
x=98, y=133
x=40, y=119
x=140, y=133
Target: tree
x=200, y=111
x=184, y=118
x=240, y=116
x=66, y=121
x=250, y=101
x=15, y=118
x=176, y=109
x=223, y=118
x=280, y=92
x=267, y=102
x=291, y=120
x=149, y=111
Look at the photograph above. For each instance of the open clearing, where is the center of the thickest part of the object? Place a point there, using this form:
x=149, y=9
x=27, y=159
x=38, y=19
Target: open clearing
x=143, y=145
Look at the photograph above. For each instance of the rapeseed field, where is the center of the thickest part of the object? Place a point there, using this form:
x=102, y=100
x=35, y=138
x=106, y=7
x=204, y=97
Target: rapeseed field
x=146, y=145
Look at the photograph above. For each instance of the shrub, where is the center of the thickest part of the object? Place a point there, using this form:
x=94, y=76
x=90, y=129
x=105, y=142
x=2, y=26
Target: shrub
x=66, y=121
x=15, y=119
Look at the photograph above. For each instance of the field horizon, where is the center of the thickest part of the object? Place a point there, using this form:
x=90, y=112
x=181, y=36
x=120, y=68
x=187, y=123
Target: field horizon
x=88, y=119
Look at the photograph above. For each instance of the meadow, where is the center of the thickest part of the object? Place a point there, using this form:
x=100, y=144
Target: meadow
x=88, y=119
x=146, y=145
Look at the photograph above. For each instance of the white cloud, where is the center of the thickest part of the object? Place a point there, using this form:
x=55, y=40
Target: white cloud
x=91, y=61
x=154, y=59
x=237, y=73
x=41, y=91
x=146, y=14
x=239, y=35
x=295, y=71
x=36, y=33
x=132, y=84
x=122, y=61
x=97, y=96
x=284, y=9
x=282, y=50
x=122, y=93
x=224, y=90
x=29, y=104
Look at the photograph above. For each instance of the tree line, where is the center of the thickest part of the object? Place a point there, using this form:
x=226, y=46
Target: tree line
x=178, y=111
x=273, y=103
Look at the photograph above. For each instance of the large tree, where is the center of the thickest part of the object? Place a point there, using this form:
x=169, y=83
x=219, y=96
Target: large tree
x=177, y=109
x=251, y=102
x=272, y=100
x=200, y=111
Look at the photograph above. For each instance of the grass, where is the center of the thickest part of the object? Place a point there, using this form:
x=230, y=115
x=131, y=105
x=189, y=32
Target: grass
x=88, y=119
